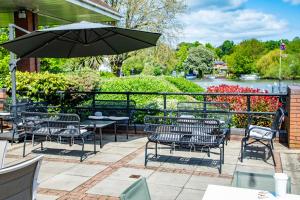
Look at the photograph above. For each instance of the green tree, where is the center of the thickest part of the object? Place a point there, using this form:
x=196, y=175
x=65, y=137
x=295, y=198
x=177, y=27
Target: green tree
x=4, y=57
x=244, y=56
x=158, y=16
x=182, y=53
x=200, y=59
x=225, y=49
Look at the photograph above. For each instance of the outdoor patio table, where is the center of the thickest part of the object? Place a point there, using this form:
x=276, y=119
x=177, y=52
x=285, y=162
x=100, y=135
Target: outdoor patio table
x=256, y=180
x=214, y=192
x=97, y=124
x=110, y=118
x=2, y=116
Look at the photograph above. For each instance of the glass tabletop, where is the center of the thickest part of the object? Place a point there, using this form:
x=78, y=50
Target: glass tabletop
x=259, y=181
x=98, y=123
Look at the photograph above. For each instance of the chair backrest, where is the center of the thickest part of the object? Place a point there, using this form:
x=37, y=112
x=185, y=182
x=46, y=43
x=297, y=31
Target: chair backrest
x=3, y=149
x=137, y=191
x=216, y=110
x=19, y=182
x=278, y=119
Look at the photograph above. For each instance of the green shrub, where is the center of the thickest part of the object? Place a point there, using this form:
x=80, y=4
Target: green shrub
x=185, y=85
x=142, y=84
x=44, y=86
x=107, y=75
x=135, y=64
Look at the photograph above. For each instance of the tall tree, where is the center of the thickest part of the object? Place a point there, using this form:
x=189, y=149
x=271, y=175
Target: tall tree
x=182, y=53
x=242, y=60
x=151, y=15
x=199, y=59
x=225, y=49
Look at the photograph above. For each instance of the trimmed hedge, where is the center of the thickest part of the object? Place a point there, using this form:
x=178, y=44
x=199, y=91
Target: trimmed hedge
x=185, y=85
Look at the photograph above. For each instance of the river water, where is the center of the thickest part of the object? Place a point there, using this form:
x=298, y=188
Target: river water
x=270, y=85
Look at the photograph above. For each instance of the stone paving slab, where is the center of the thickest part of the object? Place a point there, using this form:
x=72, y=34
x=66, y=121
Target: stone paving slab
x=163, y=192
x=129, y=174
x=201, y=182
x=46, y=197
x=111, y=187
x=190, y=194
x=171, y=179
x=176, y=176
x=64, y=182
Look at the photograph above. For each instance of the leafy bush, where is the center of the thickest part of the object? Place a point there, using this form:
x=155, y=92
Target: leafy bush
x=185, y=85
x=239, y=103
x=107, y=74
x=53, y=65
x=142, y=84
x=133, y=64
x=4, y=57
x=44, y=86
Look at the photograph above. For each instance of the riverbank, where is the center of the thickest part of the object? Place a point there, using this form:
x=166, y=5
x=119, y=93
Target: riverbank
x=270, y=85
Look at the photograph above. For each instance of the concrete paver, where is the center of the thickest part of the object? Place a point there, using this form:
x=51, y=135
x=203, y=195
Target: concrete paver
x=177, y=176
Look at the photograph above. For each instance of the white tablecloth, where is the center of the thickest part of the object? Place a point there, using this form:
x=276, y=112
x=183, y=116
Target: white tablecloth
x=217, y=192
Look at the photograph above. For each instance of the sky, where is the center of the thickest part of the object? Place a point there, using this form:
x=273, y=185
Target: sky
x=214, y=21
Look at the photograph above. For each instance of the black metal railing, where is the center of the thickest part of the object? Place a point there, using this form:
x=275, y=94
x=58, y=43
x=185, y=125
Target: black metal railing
x=93, y=96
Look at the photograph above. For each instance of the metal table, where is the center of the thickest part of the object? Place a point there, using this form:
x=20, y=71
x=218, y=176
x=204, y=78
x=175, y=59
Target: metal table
x=98, y=124
x=118, y=120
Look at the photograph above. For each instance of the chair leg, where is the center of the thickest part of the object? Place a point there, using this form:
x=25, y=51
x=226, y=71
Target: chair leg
x=221, y=160
x=134, y=128
x=272, y=145
x=127, y=128
x=223, y=153
x=42, y=146
x=242, y=149
x=208, y=152
x=24, y=145
x=272, y=154
x=156, y=150
x=94, y=142
x=146, y=154
x=32, y=140
x=82, y=150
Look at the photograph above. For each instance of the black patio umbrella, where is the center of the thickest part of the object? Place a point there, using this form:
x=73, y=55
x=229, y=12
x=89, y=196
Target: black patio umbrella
x=80, y=40
x=76, y=40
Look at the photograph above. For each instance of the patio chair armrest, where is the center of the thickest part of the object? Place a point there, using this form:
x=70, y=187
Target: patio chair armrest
x=261, y=128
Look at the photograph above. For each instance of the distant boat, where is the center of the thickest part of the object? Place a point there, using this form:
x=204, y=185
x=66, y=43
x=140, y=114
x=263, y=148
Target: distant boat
x=249, y=77
x=191, y=76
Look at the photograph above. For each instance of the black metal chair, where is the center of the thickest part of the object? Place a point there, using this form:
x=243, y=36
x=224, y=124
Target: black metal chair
x=263, y=135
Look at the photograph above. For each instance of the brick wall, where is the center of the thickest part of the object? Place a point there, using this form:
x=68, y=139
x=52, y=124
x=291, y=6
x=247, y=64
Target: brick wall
x=2, y=98
x=293, y=119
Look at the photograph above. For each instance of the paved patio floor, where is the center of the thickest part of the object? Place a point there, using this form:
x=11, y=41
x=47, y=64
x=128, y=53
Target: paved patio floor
x=180, y=175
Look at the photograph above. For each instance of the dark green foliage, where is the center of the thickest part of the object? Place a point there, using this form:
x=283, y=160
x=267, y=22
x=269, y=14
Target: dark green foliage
x=185, y=86
x=200, y=59
x=242, y=60
x=4, y=57
x=225, y=49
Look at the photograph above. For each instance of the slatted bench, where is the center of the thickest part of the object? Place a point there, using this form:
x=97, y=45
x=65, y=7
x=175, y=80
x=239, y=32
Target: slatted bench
x=177, y=132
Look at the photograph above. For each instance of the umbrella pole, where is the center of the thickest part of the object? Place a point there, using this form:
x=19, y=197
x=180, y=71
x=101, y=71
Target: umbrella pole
x=12, y=68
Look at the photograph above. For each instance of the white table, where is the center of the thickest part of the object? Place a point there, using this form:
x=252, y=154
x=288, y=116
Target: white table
x=217, y=192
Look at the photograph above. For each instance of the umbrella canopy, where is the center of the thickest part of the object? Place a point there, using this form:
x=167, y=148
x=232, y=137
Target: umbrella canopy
x=80, y=40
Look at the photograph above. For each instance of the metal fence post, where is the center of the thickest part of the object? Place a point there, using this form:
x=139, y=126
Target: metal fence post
x=165, y=104
x=248, y=108
x=128, y=103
